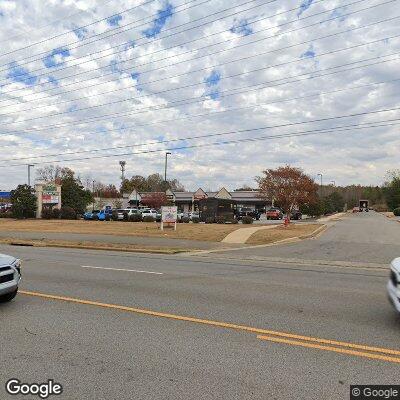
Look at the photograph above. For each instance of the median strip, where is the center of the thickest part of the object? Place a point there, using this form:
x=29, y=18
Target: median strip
x=306, y=341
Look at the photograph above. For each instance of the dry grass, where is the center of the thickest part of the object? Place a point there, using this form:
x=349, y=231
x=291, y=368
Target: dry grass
x=93, y=246
x=202, y=232
x=266, y=236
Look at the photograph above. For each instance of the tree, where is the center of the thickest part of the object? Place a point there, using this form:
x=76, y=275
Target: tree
x=391, y=190
x=23, y=201
x=53, y=173
x=74, y=195
x=333, y=203
x=155, y=200
x=313, y=209
x=153, y=183
x=290, y=187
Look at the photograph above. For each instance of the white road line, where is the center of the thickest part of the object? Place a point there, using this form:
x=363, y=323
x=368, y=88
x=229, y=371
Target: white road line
x=123, y=269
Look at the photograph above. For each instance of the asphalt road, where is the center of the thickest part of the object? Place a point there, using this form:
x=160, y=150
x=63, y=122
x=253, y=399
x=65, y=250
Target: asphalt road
x=135, y=341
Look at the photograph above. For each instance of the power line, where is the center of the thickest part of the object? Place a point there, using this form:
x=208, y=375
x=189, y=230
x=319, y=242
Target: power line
x=297, y=60
x=50, y=24
x=129, y=99
x=216, y=112
x=141, y=38
x=234, y=141
x=207, y=46
x=218, y=134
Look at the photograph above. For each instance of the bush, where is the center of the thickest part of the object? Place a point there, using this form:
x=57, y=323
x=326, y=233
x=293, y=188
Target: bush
x=220, y=219
x=47, y=213
x=247, y=220
x=95, y=217
x=235, y=221
x=380, y=207
x=126, y=216
x=108, y=217
x=114, y=215
x=396, y=212
x=7, y=214
x=210, y=220
x=137, y=217
x=195, y=220
x=67, y=213
x=148, y=218
x=56, y=213
x=186, y=220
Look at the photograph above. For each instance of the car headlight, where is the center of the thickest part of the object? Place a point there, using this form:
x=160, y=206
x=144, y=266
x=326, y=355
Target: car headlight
x=18, y=265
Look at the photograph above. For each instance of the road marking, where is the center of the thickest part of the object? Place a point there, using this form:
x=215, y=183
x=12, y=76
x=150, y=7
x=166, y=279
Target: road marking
x=123, y=269
x=219, y=324
x=330, y=348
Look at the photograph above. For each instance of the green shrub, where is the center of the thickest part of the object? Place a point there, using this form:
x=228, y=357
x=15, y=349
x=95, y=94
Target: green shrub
x=67, y=213
x=56, y=213
x=195, y=220
x=247, y=220
x=220, y=219
x=209, y=220
x=126, y=216
x=136, y=217
x=107, y=217
x=47, y=213
x=396, y=212
x=235, y=221
x=148, y=218
x=185, y=220
x=114, y=215
x=7, y=214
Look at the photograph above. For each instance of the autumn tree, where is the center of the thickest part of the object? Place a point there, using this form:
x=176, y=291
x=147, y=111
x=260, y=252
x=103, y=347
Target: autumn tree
x=288, y=186
x=155, y=200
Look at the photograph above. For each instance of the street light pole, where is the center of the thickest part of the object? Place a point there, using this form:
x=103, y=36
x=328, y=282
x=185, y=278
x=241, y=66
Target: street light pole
x=334, y=183
x=29, y=173
x=320, y=175
x=166, y=163
x=93, y=195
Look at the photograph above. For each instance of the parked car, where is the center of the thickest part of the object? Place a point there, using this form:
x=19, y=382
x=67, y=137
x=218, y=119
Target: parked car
x=296, y=215
x=247, y=212
x=356, y=209
x=90, y=215
x=10, y=276
x=393, y=286
x=149, y=213
x=274, y=213
x=194, y=214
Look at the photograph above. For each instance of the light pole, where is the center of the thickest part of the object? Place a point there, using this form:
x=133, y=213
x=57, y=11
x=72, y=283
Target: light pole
x=122, y=164
x=166, y=163
x=333, y=183
x=29, y=173
x=320, y=175
x=93, y=194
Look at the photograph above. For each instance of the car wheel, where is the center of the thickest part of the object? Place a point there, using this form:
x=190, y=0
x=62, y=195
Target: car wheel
x=8, y=297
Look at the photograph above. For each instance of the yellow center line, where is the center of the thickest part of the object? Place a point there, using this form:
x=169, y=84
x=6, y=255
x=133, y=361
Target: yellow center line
x=330, y=348
x=219, y=324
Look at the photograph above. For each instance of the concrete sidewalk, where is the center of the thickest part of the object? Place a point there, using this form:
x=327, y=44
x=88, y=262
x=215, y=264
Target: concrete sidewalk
x=242, y=235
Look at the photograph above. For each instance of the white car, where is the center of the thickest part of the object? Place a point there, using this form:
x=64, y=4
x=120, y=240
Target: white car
x=10, y=275
x=149, y=213
x=393, y=285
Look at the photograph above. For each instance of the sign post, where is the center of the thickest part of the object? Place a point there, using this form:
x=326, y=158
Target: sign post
x=169, y=215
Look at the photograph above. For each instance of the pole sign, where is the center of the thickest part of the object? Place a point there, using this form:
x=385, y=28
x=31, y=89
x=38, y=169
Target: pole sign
x=50, y=194
x=169, y=215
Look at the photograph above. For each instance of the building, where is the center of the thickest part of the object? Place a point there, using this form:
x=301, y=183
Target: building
x=189, y=201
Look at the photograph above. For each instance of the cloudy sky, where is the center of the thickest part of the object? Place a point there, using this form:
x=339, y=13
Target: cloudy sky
x=86, y=83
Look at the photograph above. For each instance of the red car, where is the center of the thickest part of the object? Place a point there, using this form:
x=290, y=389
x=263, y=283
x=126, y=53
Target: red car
x=274, y=213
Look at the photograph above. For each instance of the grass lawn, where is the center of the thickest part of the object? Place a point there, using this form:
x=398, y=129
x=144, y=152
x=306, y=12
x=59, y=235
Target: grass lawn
x=266, y=236
x=202, y=232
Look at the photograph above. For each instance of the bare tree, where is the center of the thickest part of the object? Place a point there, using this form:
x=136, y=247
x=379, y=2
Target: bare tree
x=290, y=187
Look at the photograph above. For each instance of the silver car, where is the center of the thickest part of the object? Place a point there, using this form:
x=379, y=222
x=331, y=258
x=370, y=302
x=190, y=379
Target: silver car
x=393, y=286
x=10, y=275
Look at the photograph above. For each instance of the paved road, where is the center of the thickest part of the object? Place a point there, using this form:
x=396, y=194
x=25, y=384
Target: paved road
x=362, y=237
x=98, y=352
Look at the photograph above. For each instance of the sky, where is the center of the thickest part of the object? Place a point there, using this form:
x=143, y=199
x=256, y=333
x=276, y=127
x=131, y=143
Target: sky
x=230, y=88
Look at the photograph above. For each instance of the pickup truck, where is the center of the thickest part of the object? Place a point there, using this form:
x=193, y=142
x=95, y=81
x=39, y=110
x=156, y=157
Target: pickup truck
x=10, y=275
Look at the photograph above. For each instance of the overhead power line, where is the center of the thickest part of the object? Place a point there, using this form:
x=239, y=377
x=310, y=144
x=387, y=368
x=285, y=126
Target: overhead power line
x=207, y=46
x=286, y=125
x=297, y=60
x=226, y=142
x=211, y=114
x=130, y=99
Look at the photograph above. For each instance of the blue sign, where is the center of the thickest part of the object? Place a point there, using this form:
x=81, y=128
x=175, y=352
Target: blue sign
x=5, y=195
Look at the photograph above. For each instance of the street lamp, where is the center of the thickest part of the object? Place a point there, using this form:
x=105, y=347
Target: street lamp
x=29, y=173
x=93, y=194
x=333, y=183
x=321, y=178
x=166, y=163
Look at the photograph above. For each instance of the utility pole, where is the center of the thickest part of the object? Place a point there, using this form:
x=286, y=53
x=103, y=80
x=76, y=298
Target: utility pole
x=320, y=175
x=93, y=194
x=166, y=163
x=122, y=164
x=29, y=173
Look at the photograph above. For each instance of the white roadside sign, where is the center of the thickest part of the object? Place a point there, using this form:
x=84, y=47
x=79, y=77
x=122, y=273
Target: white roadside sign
x=169, y=215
